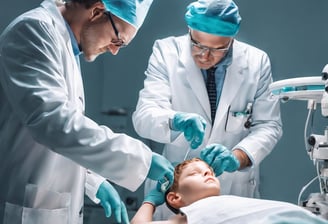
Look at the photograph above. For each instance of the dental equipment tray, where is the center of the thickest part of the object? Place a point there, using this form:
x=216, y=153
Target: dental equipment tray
x=302, y=88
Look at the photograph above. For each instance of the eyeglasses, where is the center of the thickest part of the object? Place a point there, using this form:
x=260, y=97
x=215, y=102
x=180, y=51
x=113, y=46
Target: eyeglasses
x=117, y=42
x=201, y=49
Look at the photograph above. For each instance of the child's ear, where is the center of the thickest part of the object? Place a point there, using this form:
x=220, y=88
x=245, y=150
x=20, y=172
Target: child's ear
x=174, y=199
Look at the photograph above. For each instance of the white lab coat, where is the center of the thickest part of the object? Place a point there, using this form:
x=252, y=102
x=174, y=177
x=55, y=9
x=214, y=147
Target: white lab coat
x=175, y=84
x=45, y=138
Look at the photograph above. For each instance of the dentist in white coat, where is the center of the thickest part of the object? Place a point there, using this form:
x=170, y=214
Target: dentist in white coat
x=174, y=106
x=46, y=140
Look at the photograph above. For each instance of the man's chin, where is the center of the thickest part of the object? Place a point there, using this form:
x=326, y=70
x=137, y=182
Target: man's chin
x=90, y=58
x=204, y=65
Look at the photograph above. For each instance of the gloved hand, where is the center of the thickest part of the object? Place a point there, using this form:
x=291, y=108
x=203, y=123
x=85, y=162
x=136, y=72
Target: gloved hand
x=155, y=197
x=110, y=200
x=220, y=158
x=162, y=170
x=192, y=125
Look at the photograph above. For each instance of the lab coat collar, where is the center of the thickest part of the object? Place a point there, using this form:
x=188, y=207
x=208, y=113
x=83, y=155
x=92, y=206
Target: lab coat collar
x=233, y=80
x=60, y=24
x=58, y=19
x=193, y=75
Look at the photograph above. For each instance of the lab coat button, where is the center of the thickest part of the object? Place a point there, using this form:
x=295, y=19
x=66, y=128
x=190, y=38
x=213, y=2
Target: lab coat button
x=252, y=181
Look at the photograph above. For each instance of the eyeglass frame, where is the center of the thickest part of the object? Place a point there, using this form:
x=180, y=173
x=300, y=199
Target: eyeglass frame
x=117, y=42
x=211, y=50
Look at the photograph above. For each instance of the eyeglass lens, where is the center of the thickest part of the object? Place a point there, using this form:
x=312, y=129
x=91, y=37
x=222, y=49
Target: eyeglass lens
x=118, y=42
x=201, y=49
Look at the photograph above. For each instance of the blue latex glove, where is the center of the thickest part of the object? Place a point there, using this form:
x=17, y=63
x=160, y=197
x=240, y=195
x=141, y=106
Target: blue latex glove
x=155, y=197
x=220, y=158
x=111, y=201
x=161, y=170
x=192, y=126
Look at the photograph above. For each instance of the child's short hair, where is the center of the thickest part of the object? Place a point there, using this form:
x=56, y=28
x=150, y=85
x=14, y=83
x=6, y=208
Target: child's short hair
x=177, y=173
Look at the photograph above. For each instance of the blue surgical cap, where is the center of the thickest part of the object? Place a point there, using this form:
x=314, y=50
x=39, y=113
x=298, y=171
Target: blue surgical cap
x=218, y=17
x=130, y=11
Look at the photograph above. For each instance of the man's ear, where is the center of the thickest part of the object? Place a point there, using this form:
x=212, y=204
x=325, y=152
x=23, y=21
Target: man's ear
x=175, y=200
x=97, y=10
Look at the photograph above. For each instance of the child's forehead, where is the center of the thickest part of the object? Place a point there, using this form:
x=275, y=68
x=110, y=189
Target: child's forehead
x=196, y=165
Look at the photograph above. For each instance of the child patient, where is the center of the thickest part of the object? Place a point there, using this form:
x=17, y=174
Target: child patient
x=195, y=197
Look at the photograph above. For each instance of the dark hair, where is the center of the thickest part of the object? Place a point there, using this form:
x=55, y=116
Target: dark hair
x=87, y=3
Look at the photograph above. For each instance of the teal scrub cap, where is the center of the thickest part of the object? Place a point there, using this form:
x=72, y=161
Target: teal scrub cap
x=218, y=17
x=131, y=11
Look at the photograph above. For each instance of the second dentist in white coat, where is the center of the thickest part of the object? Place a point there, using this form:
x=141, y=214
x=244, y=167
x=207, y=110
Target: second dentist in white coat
x=174, y=108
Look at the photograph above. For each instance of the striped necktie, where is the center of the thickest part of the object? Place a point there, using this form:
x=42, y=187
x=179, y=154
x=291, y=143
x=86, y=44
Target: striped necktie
x=211, y=90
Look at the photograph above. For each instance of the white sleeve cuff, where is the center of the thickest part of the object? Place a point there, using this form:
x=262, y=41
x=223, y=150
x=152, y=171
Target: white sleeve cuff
x=249, y=156
x=92, y=183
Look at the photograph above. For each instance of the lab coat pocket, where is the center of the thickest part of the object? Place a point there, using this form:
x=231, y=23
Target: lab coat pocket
x=40, y=206
x=39, y=197
x=12, y=214
x=16, y=214
x=235, y=123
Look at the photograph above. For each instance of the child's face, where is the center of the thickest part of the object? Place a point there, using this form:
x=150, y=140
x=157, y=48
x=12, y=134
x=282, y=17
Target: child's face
x=197, y=181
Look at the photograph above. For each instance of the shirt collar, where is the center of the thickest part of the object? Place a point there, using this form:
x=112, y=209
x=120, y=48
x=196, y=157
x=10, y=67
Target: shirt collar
x=75, y=45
